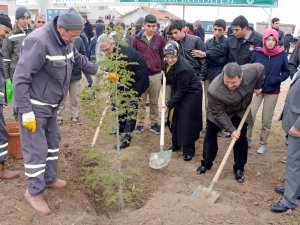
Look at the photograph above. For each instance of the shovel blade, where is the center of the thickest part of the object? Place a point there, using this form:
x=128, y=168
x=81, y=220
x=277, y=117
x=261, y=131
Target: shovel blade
x=160, y=159
x=206, y=195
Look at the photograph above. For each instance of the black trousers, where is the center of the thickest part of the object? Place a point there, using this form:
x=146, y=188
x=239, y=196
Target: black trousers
x=210, y=145
x=188, y=149
x=127, y=120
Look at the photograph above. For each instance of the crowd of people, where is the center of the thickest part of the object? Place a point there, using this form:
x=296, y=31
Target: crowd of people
x=230, y=69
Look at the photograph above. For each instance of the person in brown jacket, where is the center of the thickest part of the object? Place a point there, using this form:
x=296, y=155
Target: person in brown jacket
x=229, y=94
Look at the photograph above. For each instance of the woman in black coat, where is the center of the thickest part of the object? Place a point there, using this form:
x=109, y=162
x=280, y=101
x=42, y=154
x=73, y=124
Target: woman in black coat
x=186, y=100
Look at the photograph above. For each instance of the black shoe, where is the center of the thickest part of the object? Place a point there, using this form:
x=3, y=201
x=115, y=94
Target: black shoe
x=155, y=128
x=123, y=144
x=279, y=207
x=280, y=190
x=114, y=132
x=174, y=149
x=187, y=157
x=201, y=170
x=239, y=176
x=139, y=129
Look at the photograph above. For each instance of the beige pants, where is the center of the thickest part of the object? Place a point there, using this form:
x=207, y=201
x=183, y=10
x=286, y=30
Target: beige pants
x=73, y=92
x=269, y=103
x=153, y=93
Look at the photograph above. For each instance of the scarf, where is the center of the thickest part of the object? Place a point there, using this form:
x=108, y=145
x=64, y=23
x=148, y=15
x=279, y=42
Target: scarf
x=270, y=52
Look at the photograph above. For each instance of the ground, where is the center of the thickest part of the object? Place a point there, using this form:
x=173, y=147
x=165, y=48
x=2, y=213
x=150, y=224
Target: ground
x=169, y=190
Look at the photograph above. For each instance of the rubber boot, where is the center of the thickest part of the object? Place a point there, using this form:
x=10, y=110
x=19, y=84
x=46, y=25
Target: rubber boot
x=37, y=202
x=7, y=174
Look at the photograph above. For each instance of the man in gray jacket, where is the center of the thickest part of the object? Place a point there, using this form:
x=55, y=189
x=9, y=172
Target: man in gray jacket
x=291, y=126
x=5, y=28
x=40, y=85
x=229, y=94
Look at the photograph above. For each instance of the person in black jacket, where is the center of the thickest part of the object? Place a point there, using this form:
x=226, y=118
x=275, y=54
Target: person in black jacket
x=239, y=46
x=140, y=84
x=288, y=39
x=188, y=43
x=294, y=60
x=73, y=89
x=185, y=111
x=199, y=31
x=215, y=64
x=275, y=23
x=88, y=28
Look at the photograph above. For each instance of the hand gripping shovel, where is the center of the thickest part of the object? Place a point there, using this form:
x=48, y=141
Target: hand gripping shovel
x=209, y=195
x=160, y=159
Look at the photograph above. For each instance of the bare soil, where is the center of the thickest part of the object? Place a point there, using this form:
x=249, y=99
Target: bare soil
x=168, y=191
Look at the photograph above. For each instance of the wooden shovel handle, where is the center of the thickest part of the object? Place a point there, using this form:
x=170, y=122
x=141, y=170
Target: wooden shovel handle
x=163, y=112
x=216, y=177
x=100, y=124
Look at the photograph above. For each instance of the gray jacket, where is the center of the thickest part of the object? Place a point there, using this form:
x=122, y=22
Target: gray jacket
x=291, y=110
x=223, y=104
x=43, y=73
x=11, y=49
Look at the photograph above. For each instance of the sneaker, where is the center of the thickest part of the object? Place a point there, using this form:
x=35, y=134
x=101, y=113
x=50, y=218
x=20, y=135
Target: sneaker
x=249, y=140
x=261, y=149
x=59, y=122
x=75, y=120
x=155, y=128
x=139, y=129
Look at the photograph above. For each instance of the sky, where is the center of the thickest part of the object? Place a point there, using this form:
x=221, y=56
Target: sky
x=287, y=12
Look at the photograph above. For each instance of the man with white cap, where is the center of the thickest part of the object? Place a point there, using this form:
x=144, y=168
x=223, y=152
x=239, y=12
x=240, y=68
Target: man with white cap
x=12, y=44
x=5, y=28
x=40, y=85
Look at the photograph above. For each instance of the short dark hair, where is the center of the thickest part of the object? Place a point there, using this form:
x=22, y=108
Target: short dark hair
x=275, y=19
x=232, y=70
x=177, y=24
x=240, y=21
x=220, y=23
x=190, y=26
x=121, y=24
x=150, y=19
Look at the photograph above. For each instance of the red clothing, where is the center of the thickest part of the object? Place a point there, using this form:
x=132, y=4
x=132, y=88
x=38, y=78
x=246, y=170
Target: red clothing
x=152, y=51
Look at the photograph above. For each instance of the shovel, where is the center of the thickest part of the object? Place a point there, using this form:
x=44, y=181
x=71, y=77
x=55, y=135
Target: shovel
x=160, y=159
x=99, y=125
x=209, y=195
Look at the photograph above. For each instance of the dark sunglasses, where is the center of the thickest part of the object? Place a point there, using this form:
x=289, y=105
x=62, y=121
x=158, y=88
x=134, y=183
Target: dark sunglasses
x=40, y=21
